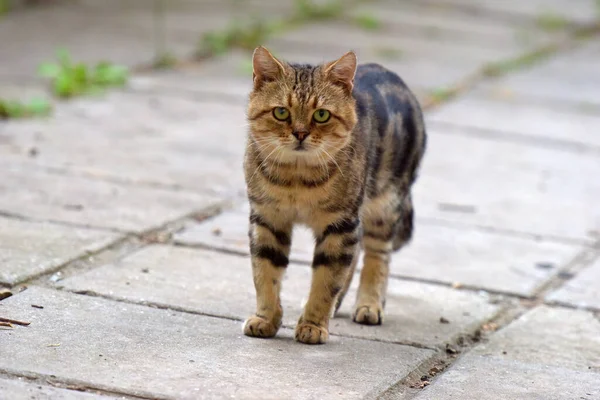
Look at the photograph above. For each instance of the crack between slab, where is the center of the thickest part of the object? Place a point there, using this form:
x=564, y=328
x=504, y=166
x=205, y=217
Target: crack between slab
x=21, y=217
x=436, y=221
x=80, y=172
x=430, y=369
x=513, y=137
x=560, y=304
x=562, y=275
x=185, y=310
x=400, y=277
x=77, y=385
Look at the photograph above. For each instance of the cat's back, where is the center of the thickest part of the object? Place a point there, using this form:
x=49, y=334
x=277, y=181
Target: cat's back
x=379, y=90
x=391, y=121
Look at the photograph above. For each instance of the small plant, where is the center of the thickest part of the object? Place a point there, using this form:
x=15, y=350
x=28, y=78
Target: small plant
x=502, y=67
x=164, y=61
x=36, y=107
x=442, y=94
x=308, y=10
x=368, y=22
x=238, y=36
x=551, y=22
x=388, y=53
x=245, y=68
x=4, y=6
x=71, y=79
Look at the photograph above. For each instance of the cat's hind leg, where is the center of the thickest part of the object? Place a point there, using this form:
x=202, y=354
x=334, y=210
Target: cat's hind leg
x=387, y=223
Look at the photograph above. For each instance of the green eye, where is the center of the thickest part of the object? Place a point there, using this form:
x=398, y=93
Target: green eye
x=321, y=115
x=281, y=113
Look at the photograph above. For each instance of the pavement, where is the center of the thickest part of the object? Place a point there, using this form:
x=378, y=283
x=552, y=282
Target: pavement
x=123, y=220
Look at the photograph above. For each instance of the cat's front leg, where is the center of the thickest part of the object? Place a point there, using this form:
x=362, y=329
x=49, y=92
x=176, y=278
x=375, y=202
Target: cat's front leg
x=270, y=240
x=335, y=254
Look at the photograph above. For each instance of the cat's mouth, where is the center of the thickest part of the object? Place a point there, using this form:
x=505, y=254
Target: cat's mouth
x=300, y=147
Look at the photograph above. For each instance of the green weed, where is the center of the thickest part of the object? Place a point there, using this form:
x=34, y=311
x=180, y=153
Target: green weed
x=69, y=79
x=551, y=22
x=238, y=36
x=36, y=107
x=368, y=22
x=503, y=67
x=307, y=10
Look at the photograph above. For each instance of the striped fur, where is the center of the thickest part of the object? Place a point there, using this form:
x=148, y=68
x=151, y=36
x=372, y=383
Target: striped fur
x=349, y=180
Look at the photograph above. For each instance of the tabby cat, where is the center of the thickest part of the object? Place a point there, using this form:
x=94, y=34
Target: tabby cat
x=337, y=148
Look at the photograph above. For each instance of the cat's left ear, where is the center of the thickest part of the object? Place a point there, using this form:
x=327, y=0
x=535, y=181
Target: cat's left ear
x=342, y=70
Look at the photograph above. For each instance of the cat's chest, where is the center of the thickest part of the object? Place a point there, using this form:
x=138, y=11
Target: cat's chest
x=299, y=204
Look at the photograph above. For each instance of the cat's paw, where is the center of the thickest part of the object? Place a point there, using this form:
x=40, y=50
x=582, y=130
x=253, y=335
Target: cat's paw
x=309, y=333
x=256, y=326
x=368, y=314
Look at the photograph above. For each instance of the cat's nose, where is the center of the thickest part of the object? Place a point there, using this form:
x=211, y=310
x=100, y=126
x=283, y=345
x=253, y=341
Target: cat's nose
x=300, y=134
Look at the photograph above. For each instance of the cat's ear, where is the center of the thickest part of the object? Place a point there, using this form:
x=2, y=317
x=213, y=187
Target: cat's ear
x=265, y=67
x=342, y=70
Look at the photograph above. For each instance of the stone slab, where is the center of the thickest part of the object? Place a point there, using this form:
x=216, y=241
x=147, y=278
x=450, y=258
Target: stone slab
x=581, y=291
x=483, y=378
x=162, y=353
x=419, y=19
x=33, y=193
x=551, y=336
x=151, y=138
x=509, y=186
x=565, y=78
x=28, y=249
x=439, y=253
x=221, y=284
x=339, y=36
x=505, y=118
x=548, y=353
x=20, y=389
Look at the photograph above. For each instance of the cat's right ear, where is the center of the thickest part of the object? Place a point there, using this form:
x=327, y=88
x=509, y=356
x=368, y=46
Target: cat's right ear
x=265, y=67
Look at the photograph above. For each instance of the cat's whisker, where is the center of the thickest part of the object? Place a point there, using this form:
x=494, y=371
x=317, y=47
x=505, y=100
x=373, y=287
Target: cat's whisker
x=262, y=163
x=335, y=162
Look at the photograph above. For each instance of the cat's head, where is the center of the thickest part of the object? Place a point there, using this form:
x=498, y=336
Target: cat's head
x=301, y=112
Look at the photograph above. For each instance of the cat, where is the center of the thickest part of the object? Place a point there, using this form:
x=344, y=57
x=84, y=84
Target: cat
x=336, y=147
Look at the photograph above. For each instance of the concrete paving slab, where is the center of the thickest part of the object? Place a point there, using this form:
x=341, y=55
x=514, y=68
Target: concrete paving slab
x=505, y=118
x=414, y=19
x=20, y=389
x=548, y=353
x=150, y=138
x=28, y=249
x=581, y=291
x=340, y=36
x=484, y=378
x=439, y=253
x=40, y=195
x=509, y=186
x=551, y=336
x=161, y=353
x=566, y=77
x=187, y=278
